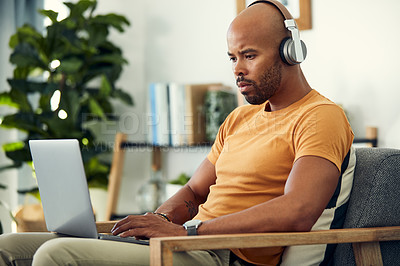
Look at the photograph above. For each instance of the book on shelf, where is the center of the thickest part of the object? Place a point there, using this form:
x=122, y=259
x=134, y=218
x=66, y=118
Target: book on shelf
x=177, y=113
x=178, y=130
x=159, y=115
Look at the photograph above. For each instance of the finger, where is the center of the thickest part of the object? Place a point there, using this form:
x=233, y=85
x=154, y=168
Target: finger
x=135, y=232
x=122, y=228
x=119, y=223
x=128, y=233
x=122, y=222
x=130, y=222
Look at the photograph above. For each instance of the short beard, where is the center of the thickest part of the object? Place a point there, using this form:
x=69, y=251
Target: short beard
x=270, y=82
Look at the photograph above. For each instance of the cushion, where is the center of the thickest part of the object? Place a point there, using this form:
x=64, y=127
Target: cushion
x=332, y=217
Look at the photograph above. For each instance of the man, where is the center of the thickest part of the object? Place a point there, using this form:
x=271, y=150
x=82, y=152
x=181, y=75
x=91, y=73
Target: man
x=276, y=165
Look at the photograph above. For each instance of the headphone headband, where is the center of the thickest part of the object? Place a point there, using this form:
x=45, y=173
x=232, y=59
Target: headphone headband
x=292, y=52
x=285, y=13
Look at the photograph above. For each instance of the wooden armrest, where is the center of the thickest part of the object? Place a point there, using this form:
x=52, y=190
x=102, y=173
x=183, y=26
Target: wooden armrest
x=367, y=238
x=105, y=227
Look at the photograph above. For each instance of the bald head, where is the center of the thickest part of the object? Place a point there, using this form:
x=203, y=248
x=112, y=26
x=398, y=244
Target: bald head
x=261, y=22
x=261, y=72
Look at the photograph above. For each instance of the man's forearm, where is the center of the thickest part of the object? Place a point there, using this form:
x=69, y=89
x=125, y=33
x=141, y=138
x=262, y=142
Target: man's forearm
x=184, y=205
x=181, y=207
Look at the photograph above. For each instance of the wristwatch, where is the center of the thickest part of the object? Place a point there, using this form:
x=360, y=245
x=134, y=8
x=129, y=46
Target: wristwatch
x=191, y=227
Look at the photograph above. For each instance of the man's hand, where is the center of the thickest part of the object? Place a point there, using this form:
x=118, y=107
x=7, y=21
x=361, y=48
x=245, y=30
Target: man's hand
x=147, y=226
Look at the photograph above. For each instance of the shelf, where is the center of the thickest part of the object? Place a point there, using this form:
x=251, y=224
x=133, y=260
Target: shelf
x=370, y=142
x=128, y=144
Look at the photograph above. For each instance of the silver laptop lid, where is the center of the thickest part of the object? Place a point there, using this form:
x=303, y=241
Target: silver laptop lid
x=63, y=187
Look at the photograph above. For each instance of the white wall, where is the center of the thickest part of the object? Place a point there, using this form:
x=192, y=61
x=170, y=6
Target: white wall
x=353, y=60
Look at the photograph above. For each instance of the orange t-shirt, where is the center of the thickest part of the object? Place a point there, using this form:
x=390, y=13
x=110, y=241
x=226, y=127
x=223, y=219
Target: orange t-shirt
x=254, y=152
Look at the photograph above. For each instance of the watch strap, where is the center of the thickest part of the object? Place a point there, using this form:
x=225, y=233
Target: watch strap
x=191, y=230
x=191, y=227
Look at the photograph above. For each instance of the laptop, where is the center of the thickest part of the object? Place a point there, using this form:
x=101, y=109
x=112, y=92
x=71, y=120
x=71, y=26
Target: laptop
x=64, y=191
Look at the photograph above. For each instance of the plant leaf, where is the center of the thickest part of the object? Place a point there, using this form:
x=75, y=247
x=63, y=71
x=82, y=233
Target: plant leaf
x=113, y=20
x=31, y=191
x=25, y=122
x=97, y=34
x=21, y=99
x=53, y=45
x=52, y=15
x=70, y=102
x=18, y=152
x=105, y=87
x=77, y=10
x=96, y=109
x=181, y=180
x=14, y=146
x=114, y=58
x=6, y=99
x=26, y=34
x=70, y=65
x=28, y=86
x=97, y=172
x=24, y=55
x=123, y=96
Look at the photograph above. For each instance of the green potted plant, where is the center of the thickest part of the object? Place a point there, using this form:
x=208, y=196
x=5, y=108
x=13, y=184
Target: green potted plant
x=64, y=79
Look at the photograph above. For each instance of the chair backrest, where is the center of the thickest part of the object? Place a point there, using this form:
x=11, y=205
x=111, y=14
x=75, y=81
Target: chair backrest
x=374, y=200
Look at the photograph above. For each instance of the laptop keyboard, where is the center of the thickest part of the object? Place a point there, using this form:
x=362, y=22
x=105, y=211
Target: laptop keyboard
x=123, y=239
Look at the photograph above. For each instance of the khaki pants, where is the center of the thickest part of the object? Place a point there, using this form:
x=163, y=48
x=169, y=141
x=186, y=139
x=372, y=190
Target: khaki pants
x=50, y=249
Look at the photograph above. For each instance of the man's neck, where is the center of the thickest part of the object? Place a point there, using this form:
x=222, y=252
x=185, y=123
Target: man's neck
x=291, y=91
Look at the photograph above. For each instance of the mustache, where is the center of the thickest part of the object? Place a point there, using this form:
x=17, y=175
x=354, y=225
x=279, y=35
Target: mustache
x=242, y=79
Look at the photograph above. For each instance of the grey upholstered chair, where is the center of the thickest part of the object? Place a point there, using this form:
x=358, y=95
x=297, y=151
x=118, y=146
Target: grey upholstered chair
x=374, y=201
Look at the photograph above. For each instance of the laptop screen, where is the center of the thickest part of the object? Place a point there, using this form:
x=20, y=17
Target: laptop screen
x=63, y=187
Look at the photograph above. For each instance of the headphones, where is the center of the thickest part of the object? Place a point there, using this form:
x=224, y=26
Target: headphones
x=292, y=50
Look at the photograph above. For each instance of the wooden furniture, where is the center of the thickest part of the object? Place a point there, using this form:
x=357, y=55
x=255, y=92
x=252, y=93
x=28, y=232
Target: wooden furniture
x=365, y=242
x=115, y=177
x=303, y=21
x=371, y=224
x=114, y=180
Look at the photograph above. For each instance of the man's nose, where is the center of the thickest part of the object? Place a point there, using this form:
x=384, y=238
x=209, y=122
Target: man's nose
x=239, y=68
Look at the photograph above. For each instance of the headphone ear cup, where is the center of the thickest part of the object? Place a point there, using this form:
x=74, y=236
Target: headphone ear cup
x=283, y=50
x=288, y=53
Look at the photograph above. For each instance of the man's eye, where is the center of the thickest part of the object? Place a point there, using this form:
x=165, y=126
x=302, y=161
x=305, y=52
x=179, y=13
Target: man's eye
x=250, y=56
x=232, y=59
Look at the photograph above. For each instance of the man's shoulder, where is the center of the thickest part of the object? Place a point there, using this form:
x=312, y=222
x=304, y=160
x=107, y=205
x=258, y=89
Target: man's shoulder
x=318, y=100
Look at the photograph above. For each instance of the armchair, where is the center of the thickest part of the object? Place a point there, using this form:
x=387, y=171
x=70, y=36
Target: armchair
x=372, y=221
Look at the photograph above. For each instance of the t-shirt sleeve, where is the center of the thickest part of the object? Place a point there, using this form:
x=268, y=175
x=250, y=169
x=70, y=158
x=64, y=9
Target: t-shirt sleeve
x=324, y=132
